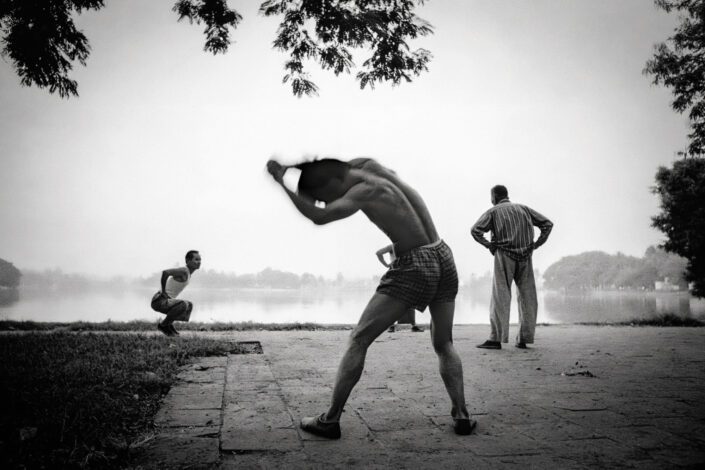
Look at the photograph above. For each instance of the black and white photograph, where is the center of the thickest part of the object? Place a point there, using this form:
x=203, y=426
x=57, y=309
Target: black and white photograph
x=394, y=234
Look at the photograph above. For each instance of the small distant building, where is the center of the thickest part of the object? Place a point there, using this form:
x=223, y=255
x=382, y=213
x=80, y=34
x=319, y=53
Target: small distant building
x=665, y=285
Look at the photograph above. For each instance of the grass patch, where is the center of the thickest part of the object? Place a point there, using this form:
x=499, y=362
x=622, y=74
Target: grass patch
x=668, y=319
x=86, y=400
x=11, y=325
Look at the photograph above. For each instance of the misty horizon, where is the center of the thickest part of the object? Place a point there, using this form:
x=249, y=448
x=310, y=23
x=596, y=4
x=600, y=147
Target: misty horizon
x=587, y=270
x=165, y=148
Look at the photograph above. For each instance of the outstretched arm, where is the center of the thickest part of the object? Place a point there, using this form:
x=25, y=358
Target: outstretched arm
x=336, y=210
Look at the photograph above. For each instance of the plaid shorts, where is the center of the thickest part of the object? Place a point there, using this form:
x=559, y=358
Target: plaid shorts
x=422, y=276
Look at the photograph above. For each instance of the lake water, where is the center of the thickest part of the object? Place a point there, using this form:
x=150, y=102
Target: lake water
x=339, y=307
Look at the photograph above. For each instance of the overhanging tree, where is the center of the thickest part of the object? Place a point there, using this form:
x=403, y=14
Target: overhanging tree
x=682, y=218
x=41, y=40
x=679, y=63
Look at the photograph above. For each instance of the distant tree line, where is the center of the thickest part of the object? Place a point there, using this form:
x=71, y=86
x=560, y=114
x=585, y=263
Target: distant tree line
x=9, y=281
x=9, y=274
x=480, y=286
x=586, y=271
x=600, y=270
x=268, y=278
x=56, y=279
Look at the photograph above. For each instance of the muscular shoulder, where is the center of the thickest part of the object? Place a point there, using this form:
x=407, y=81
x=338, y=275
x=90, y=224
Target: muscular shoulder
x=370, y=165
x=360, y=162
x=363, y=191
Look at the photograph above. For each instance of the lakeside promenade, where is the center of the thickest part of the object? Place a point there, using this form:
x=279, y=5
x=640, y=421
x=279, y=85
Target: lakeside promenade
x=581, y=397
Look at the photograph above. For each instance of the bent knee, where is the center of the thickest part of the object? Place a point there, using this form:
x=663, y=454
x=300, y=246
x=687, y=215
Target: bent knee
x=359, y=338
x=443, y=347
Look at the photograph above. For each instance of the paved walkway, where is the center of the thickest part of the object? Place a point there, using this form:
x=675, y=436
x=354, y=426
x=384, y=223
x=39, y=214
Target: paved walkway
x=582, y=397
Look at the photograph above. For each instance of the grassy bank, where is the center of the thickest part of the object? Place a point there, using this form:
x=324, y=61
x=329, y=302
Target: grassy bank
x=10, y=325
x=662, y=320
x=139, y=326
x=88, y=400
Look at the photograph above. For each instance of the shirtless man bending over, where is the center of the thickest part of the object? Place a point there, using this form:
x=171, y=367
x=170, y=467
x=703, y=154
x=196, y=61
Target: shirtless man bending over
x=422, y=275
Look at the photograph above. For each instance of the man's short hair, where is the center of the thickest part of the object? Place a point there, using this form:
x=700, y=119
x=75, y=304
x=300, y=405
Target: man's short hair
x=318, y=173
x=500, y=192
x=190, y=254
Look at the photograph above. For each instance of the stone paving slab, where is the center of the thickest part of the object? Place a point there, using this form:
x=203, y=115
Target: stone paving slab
x=252, y=430
x=641, y=406
x=180, y=399
x=174, y=451
x=255, y=417
x=189, y=420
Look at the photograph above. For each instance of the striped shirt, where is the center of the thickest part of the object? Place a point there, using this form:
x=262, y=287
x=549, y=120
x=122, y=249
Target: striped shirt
x=512, y=227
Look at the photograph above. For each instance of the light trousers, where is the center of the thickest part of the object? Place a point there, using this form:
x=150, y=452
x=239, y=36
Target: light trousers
x=506, y=271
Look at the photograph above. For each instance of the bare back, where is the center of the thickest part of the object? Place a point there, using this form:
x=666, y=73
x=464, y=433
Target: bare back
x=393, y=206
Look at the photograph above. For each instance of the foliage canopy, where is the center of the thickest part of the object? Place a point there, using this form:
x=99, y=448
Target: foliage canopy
x=679, y=64
x=682, y=218
x=41, y=40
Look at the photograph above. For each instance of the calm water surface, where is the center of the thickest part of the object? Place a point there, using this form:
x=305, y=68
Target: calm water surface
x=281, y=306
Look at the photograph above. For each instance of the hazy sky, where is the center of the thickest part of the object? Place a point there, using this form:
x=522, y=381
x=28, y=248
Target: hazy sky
x=165, y=148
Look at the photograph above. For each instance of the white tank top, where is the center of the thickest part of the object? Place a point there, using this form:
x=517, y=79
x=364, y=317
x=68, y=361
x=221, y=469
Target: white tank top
x=174, y=287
